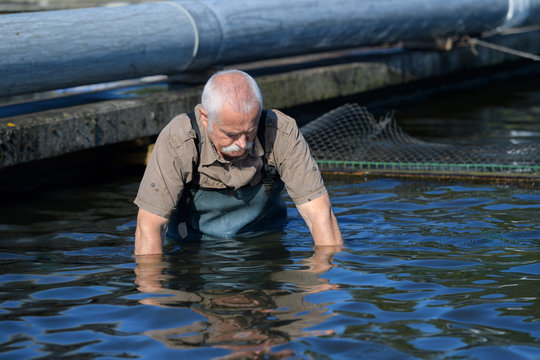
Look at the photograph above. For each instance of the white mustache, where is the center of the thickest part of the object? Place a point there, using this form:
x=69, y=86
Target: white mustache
x=234, y=148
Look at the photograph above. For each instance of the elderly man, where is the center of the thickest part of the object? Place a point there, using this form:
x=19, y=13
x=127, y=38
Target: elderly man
x=220, y=170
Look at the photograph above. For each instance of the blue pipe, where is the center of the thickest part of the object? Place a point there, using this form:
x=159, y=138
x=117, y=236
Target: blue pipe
x=58, y=49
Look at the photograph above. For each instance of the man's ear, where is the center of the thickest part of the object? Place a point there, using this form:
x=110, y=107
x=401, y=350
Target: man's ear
x=204, y=117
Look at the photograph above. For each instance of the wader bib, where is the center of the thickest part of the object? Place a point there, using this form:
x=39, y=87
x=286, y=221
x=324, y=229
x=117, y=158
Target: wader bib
x=228, y=212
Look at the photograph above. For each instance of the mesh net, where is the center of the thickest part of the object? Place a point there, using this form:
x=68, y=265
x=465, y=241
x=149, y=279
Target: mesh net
x=349, y=139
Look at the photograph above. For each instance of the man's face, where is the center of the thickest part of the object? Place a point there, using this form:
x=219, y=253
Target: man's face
x=233, y=133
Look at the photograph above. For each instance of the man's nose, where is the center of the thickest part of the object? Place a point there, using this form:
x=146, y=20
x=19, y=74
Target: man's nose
x=241, y=141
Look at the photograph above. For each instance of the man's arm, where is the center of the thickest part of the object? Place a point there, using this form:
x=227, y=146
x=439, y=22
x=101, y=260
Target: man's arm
x=322, y=223
x=149, y=233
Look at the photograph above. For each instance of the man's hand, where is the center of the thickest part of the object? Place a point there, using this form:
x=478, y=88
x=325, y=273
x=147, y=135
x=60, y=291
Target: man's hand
x=321, y=221
x=149, y=233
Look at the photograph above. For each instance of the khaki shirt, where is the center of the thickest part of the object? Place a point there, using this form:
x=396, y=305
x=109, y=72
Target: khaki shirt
x=175, y=162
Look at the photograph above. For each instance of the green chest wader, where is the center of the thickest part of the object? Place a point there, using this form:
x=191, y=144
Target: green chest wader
x=228, y=212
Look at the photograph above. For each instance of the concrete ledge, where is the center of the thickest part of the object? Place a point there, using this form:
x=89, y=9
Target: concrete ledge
x=52, y=133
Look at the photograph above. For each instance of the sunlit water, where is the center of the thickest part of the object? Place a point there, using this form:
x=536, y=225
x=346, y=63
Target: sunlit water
x=429, y=270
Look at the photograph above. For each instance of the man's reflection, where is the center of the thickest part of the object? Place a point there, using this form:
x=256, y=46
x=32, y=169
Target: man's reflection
x=250, y=292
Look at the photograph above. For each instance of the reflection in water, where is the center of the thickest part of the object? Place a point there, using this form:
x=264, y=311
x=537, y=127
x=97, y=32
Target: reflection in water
x=247, y=322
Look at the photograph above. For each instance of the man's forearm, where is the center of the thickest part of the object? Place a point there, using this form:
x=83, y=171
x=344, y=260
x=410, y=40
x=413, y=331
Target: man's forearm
x=321, y=222
x=147, y=243
x=325, y=231
x=149, y=233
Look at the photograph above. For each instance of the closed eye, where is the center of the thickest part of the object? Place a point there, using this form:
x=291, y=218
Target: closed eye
x=237, y=135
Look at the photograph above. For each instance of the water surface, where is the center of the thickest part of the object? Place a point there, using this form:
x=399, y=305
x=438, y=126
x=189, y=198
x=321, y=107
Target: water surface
x=430, y=270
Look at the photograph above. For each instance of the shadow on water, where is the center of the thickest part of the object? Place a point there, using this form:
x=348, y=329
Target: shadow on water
x=488, y=115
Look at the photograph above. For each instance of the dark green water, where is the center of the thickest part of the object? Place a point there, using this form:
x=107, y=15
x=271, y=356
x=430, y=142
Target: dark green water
x=430, y=270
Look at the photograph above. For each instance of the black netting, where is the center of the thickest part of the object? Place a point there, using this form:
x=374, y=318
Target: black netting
x=350, y=139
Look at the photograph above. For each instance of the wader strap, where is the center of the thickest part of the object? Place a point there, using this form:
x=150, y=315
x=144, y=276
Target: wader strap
x=195, y=127
x=270, y=173
x=261, y=131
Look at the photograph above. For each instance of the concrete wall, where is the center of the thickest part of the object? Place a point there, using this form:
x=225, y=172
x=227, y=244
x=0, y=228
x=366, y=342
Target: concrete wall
x=51, y=133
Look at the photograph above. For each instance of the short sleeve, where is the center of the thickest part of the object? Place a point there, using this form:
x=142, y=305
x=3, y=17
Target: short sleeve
x=292, y=158
x=169, y=169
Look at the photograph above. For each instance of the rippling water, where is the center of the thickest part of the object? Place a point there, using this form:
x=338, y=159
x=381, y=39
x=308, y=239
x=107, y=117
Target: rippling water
x=429, y=270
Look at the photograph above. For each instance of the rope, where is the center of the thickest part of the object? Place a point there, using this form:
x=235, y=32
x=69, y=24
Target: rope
x=474, y=41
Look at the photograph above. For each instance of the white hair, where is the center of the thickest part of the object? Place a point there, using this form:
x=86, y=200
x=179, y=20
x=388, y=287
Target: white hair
x=239, y=91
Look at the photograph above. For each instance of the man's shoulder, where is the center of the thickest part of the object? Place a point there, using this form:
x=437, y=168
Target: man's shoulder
x=277, y=120
x=178, y=131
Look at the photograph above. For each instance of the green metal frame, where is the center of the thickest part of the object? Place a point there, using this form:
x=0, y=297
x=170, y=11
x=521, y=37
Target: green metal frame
x=525, y=171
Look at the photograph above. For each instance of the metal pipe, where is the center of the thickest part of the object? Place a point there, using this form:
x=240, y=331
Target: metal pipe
x=58, y=49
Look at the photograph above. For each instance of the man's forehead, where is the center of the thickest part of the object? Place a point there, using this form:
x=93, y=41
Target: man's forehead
x=234, y=128
x=228, y=118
